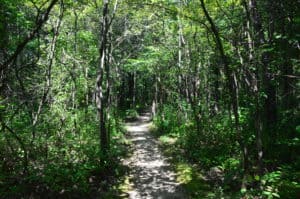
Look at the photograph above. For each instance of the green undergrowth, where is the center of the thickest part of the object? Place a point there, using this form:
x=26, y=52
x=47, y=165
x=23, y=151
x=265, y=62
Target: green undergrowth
x=189, y=175
x=282, y=183
x=72, y=167
x=207, y=159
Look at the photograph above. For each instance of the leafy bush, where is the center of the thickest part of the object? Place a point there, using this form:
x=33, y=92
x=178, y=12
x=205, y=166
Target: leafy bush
x=65, y=157
x=131, y=114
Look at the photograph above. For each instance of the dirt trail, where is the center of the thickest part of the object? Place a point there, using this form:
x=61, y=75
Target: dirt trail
x=151, y=175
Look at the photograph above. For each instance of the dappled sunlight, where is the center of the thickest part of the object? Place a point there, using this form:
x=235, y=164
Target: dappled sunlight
x=151, y=164
x=151, y=175
x=185, y=173
x=134, y=127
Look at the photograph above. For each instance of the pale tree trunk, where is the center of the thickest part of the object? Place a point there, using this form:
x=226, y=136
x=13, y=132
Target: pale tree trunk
x=254, y=85
x=74, y=73
x=180, y=47
x=192, y=84
x=48, y=82
x=134, y=92
x=108, y=100
x=155, y=100
x=182, y=89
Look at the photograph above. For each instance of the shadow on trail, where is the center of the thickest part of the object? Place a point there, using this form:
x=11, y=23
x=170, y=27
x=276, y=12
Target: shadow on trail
x=151, y=175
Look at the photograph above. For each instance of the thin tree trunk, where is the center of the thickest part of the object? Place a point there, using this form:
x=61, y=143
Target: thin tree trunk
x=4, y=65
x=100, y=100
x=232, y=88
x=262, y=106
x=48, y=83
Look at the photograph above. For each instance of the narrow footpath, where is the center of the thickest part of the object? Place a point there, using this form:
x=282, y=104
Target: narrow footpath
x=151, y=176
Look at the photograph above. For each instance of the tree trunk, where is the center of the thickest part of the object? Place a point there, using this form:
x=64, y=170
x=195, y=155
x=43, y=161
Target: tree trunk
x=232, y=88
x=100, y=99
x=255, y=88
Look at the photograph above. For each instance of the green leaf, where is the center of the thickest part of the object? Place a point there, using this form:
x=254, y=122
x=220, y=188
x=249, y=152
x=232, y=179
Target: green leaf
x=298, y=129
x=276, y=195
x=243, y=190
x=267, y=193
x=257, y=178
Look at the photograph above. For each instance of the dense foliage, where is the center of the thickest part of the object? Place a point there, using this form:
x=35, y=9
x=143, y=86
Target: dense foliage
x=221, y=79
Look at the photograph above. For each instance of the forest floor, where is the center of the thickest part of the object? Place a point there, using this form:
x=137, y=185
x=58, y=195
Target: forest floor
x=151, y=175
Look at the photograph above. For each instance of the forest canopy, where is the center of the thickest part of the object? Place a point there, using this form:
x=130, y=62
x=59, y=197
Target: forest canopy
x=220, y=79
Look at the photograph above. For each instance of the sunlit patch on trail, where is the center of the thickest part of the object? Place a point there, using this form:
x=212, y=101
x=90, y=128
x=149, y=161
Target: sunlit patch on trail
x=137, y=128
x=151, y=174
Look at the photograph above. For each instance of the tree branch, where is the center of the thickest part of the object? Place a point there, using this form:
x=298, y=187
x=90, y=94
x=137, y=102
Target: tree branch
x=28, y=38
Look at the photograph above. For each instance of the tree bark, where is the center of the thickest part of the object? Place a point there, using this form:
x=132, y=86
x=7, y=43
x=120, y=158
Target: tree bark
x=100, y=99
